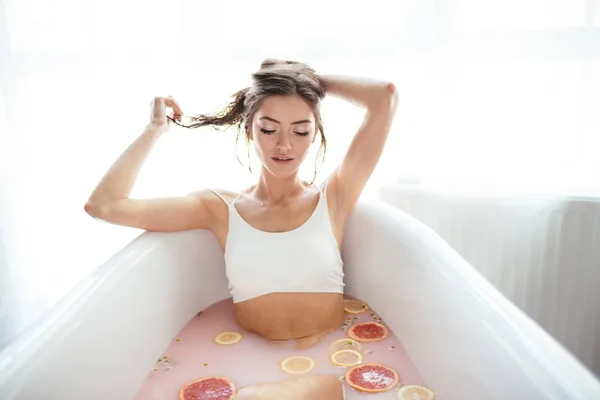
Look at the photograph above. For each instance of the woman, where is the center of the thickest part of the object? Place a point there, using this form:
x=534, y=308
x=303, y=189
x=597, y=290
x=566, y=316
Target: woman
x=282, y=237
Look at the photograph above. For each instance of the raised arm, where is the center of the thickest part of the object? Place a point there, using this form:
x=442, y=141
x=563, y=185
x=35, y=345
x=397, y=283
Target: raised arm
x=380, y=99
x=110, y=199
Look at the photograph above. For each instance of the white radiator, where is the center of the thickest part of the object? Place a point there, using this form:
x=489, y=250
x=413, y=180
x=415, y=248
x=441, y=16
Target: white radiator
x=542, y=253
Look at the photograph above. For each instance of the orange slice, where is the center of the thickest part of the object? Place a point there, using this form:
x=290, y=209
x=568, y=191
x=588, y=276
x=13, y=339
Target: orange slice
x=371, y=378
x=297, y=365
x=344, y=344
x=210, y=387
x=228, y=338
x=346, y=358
x=355, y=306
x=368, y=332
x=414, y=392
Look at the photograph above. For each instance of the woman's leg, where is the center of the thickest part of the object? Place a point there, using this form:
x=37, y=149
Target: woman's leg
x=308, y=387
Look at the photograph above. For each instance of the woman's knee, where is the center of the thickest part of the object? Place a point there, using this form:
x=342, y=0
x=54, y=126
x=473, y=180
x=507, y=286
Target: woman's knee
x=308, y=387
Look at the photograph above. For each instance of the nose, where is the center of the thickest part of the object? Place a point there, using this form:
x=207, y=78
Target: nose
x=283, y=143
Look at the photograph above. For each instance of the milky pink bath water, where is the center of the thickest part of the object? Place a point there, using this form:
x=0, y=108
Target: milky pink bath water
x=193, y=354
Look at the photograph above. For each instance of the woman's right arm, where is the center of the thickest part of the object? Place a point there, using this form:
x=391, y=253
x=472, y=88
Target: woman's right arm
x=110, y=199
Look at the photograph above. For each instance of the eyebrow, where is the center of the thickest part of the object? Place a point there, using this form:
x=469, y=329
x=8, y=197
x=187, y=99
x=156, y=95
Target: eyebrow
x=304, y=121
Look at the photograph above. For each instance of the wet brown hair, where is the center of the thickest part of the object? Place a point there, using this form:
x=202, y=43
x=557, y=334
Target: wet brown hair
x=275, y=77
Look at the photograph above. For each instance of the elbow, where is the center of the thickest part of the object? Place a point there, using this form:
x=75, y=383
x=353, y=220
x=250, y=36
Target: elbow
x=391, y=95
x=391, y=89
x=386, y=98
x=96, y=210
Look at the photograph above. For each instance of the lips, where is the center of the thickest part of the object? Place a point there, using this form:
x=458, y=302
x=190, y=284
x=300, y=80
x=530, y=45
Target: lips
x=282, y=160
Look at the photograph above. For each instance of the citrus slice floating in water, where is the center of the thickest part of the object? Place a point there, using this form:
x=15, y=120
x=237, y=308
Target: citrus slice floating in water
x=368, y=332
x=371, y=378
x=355, y=306
x=297, y=365
x=228, y=338
x=344, y=344
x=346, y=358
x=415, y=392
x=209, y=388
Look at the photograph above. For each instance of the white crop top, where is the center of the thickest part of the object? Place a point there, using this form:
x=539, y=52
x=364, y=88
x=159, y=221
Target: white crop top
x=305, y=259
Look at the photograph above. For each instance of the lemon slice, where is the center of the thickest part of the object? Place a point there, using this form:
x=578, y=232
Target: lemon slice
x=344, y=344
x=414, y=392
x=346, y=358
x=297, y=365
x=228, y=338
x=355, y=306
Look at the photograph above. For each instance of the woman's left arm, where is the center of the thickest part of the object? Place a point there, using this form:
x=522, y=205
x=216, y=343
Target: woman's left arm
x=380, y=99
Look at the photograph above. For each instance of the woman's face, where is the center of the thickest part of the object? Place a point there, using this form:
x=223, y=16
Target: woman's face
x=283, y=128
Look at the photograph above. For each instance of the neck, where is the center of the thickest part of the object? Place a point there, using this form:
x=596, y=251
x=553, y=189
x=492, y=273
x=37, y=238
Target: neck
x=273, y=190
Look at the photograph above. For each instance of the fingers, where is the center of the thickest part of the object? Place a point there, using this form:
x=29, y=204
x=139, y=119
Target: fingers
x=169, y=102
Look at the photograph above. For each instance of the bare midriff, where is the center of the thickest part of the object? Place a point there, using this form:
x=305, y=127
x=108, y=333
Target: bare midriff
x=284, y=316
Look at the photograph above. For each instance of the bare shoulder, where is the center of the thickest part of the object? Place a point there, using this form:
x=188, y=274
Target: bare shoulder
x=214, y=201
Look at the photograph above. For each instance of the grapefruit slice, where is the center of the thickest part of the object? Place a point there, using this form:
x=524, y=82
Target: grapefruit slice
x=346, y=358
x=228, y=338
x=368, y=332
x=297, y=365
x=414, y=392
x=355, y=306
x=371, y=378
x=208, y=388
x=344, y=344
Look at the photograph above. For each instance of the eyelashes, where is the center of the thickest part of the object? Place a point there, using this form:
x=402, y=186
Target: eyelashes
x=267, y=132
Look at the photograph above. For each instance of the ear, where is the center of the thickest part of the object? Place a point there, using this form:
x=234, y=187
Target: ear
x=249, y=133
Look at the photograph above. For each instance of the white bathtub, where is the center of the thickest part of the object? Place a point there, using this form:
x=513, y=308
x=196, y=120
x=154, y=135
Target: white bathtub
x=465, y=338
x=540, y=251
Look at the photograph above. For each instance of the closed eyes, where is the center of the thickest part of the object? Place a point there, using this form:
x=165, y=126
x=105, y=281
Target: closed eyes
x=270, y=132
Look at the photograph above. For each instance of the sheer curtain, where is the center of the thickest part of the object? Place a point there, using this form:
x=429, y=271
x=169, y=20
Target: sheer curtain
x=495, y=94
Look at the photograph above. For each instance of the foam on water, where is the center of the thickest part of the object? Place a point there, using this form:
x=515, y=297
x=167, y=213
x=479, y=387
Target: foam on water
x=194, y=354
